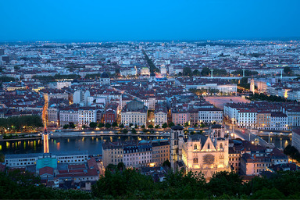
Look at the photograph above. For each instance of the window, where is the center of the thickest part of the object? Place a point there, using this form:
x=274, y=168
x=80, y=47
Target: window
x=195, y=147
x=195, y=160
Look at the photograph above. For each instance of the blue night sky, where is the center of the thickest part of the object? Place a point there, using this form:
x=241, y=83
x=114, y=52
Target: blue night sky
x=98, y=20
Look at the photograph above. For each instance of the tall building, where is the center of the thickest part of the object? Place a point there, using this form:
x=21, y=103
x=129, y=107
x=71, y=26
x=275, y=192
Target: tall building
x=176, y=147
x=81, y=97
x=1, y=52
x=252, y=86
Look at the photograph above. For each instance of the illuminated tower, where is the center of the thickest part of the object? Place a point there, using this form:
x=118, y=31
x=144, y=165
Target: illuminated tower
x=45, y=138
x=252, y=87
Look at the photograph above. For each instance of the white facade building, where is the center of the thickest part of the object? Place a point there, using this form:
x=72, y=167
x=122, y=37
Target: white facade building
x=160, y=118
x=68, y=116
x=210, y=115
x=86, y=116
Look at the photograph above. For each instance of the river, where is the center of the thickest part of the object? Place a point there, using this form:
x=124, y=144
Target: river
x=92, y=144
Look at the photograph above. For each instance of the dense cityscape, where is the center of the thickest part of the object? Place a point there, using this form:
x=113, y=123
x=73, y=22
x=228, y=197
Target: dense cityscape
x=150, y=99
x=222, y=108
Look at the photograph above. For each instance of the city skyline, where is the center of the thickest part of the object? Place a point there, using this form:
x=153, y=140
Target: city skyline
x=139, y=21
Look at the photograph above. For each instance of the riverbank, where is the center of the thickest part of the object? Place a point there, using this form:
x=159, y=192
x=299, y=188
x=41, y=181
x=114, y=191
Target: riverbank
x=103, y=133
x=276, y=133
x=21, y=138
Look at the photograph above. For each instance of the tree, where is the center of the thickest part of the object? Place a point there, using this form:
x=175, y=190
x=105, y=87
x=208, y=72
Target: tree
x=121, y=125
x=202, y=125
x=179, y=74
x=100, y=125
x=187, y=71
x=167, y=163
x=195, y=125
x=143, y=126
x=150, y=126
x=121, y=166
x=171, y=124
x=205, y=71
x=71, y=125
x=84, y=126
x=145, y=130
x=287, y=70
x=131, y=124
x=2, y=158
x=165, y=125
x=17, y=123
x=157, y=126
x=114, y=124
x=93, y=125
x=16, y=68
x=125, y=131
x=268, y=194
x=225, y=183
x=133, y=131
x=66, y=126
x=196, y=72
x=117, y=73
x=107, y=125
x=186, y=124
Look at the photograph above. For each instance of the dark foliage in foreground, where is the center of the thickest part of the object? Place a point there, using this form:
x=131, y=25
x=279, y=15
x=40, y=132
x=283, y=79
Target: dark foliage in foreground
x=130, y=184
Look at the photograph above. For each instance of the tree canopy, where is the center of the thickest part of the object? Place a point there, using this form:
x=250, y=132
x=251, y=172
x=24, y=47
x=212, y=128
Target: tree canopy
x=18, y=123
x=187, y=71
x=287, y=70
x=121, y=183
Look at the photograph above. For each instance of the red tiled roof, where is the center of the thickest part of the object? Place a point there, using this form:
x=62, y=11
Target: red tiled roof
x=46, y=170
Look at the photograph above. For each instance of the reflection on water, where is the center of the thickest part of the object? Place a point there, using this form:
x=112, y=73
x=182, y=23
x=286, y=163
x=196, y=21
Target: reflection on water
x=279, y=141
x=92, y=144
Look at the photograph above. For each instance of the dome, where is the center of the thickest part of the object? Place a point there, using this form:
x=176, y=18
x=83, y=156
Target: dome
x=104, y=75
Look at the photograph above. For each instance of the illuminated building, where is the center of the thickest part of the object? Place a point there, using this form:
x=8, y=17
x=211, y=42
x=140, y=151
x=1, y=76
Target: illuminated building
x=200, y=153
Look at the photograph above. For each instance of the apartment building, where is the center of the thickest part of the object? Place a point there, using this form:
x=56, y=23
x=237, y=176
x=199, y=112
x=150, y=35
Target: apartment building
x=253, y=165
x=112, y=152
x=160, y=152
x=160, y=115
x=263, y=120
x=279, y=121
x=210, y=115
x=139, y=155
x=134, y=112
x=68, y=115
x=86, y=115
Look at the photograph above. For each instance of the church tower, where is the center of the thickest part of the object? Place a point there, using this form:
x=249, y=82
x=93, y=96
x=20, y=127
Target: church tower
x=176, y=146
